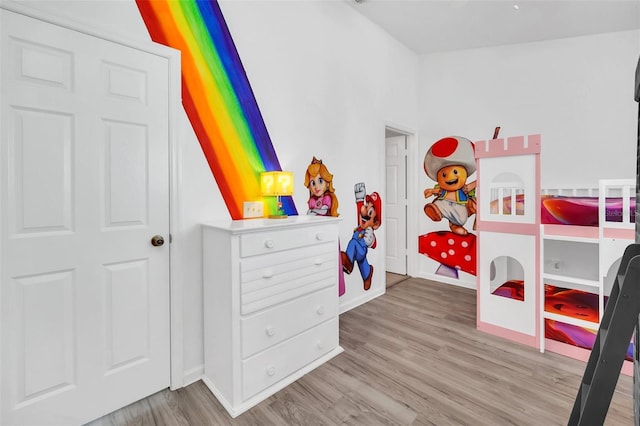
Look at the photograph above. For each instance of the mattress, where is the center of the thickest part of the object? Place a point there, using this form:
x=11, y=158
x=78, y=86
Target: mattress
x=570, y=210
x=568, y=302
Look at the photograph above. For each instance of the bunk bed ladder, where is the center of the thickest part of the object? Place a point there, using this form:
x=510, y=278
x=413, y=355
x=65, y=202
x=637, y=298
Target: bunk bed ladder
x=612, y=341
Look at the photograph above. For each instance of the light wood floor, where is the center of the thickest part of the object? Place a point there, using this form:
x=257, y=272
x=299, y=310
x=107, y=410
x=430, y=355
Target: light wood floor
x=412, y=357
x=393, y=279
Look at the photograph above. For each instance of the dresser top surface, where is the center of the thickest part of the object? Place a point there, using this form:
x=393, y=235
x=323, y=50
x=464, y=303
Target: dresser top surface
x=247, y=225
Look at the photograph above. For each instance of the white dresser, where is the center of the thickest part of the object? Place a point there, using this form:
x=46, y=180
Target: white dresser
x=270, y=304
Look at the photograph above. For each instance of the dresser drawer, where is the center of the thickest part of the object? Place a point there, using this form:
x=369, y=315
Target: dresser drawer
x=275, y=278
x=273, y=326
x=285, y=239
x=268, y=367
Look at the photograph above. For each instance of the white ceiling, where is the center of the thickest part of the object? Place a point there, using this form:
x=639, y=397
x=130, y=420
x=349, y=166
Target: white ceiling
x=427, y=26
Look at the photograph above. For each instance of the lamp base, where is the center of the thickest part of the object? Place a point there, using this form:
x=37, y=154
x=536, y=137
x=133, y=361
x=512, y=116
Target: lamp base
x=278, y=216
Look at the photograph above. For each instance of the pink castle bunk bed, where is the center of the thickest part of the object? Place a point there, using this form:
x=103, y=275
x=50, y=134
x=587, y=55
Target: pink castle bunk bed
x=584, y=232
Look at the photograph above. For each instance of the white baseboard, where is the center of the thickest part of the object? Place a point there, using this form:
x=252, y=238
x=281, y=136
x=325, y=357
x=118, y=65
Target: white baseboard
x=193, y=375
x=344, y=307
x=446, y=280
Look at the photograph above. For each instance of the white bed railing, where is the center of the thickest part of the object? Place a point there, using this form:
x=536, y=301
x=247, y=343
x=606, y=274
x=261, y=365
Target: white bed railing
x=624, y=189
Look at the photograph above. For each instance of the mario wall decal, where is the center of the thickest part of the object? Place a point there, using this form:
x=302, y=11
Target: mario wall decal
x=450, y=162
x=369, y=220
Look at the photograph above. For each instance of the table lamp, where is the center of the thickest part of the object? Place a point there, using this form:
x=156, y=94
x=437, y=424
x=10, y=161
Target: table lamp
x=276, y=184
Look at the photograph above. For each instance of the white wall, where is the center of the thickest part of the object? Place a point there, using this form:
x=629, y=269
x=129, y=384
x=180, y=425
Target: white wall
x=326, y=81
x=576, y=92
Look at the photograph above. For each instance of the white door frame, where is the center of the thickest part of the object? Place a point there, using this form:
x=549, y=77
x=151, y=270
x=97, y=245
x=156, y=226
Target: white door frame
x=395, y=200
x=173, y=57
x=411, y=183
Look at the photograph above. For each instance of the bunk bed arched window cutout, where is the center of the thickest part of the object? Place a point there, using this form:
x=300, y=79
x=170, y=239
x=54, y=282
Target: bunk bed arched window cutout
x=507, y=278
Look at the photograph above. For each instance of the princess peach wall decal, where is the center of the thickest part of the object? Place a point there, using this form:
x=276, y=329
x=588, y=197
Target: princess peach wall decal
x=322, y=198
x=323, y=201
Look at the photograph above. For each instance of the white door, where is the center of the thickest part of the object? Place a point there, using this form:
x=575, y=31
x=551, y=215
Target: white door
x=84, y=181
x=395, y=205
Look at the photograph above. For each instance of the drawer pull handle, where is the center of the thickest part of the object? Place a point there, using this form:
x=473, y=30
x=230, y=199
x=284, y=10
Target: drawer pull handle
x=270, y=331
x=268, y=244
x=318, y=262
x=320, y=345
x=320, y=310
x=271, y=370
x=320, y=236
x=267, y=273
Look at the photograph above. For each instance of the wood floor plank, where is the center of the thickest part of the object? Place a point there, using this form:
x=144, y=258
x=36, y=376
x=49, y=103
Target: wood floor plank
x=412, y=357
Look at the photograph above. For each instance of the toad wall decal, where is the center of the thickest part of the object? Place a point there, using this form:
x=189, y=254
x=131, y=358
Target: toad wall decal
x=450, y=162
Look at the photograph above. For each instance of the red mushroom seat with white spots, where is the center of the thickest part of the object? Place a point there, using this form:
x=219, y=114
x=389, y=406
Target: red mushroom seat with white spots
x=453, y=250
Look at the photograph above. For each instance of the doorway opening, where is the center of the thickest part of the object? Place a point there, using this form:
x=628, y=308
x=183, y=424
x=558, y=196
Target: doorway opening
x=396, y=205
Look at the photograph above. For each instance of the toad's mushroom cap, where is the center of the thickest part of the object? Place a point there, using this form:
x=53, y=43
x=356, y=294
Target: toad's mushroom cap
x=450, y=151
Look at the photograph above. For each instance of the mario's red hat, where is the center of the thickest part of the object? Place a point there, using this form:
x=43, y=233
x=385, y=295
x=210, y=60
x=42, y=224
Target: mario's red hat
x=374, y=198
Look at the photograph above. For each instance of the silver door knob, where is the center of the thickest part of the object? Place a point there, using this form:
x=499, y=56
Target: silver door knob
x=157, y=240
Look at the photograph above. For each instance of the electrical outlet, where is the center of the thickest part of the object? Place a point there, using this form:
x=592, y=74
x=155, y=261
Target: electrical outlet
x=252, y=209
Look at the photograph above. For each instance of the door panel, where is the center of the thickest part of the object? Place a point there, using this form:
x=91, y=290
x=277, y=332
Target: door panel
x=84, y=179
x=37, y=165
x=126, y=190
x=45, y=327
x=395, y=205
x=127, y=314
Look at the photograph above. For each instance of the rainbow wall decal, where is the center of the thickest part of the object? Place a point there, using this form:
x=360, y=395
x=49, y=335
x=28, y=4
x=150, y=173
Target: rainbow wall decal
x=217, y=98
